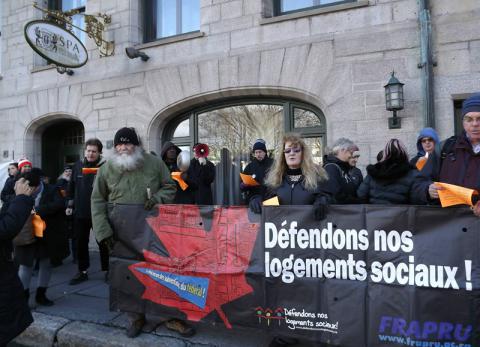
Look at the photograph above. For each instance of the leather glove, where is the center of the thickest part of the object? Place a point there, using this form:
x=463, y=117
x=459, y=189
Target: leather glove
x=244, y=187
x=150, y=203
x=255, y=204
x=475, y=199
x=109, y=242
x=320, y=211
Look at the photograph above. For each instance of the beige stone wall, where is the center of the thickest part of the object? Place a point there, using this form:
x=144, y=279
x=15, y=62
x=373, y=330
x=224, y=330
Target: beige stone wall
x=337, y=61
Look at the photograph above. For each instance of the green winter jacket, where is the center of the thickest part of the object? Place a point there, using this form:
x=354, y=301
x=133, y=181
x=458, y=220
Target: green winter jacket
x=128, y=187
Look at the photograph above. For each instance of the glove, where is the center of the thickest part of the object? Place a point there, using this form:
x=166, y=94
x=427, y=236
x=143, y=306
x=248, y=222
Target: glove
x=475, y=199
x=109, y=243
x=244, y=187
x=320, y=211
x=255, y=205
x=150, y=203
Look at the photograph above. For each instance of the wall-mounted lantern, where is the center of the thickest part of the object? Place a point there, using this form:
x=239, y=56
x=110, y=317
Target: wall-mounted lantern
x=394, y=100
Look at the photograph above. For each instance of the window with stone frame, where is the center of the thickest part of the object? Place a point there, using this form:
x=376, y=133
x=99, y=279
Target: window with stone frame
x=281, y=7
x=166, y=18
x=230, y=129
x=78, y=21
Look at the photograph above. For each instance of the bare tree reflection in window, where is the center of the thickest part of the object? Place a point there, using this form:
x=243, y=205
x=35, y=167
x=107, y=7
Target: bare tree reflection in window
x=182, y=129
x=315, y=144
x=305, y=119
x=236, y=127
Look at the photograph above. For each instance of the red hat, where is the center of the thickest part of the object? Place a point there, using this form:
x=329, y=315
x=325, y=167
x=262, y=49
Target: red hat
x=23, y=162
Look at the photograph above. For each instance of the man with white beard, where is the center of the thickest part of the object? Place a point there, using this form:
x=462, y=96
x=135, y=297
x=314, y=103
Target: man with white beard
x=131, y=176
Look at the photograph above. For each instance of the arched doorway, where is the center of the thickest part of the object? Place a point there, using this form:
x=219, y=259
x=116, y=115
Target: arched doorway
x=62, y=144
x=230, y=128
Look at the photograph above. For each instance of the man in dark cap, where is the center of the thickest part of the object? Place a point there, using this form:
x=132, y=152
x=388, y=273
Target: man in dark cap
x=131, y=176
x=258, y=169
x=79, y=193
x=459, y=160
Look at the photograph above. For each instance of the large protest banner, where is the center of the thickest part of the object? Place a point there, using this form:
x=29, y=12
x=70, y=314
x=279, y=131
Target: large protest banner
x=367, y=275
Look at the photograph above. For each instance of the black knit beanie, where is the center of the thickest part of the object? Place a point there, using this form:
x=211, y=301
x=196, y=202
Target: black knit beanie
x=126, y=135
x=472, y=104
x=259, y=144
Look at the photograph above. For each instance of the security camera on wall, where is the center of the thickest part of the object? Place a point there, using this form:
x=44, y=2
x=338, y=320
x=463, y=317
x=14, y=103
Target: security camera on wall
x=133, y=53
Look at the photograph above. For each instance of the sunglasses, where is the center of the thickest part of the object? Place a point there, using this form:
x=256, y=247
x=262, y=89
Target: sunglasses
x=289, y=150
x=427, y=139
x=355, y=156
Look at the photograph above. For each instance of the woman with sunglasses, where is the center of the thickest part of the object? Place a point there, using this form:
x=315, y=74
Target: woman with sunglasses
x=390, y=181
x=295, y=178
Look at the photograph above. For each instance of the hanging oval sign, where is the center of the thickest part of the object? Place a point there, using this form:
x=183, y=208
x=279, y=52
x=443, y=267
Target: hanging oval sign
x=55, y=44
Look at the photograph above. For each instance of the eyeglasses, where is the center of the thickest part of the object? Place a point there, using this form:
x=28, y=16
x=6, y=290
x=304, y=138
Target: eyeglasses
x=356, y=156
x=289, y=150
x=470, y=119
x=427, y=139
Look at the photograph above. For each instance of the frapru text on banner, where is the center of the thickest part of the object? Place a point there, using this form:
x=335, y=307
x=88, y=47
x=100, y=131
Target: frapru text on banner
x=455, y=195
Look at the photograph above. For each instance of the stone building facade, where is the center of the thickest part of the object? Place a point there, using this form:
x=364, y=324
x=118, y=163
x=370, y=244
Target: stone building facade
x=335, y=59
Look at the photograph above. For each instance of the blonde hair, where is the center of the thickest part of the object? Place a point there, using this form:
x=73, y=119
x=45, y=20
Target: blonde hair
x=312, y=172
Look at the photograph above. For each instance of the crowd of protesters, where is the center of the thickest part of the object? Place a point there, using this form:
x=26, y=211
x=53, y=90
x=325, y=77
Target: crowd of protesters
x=38, y=218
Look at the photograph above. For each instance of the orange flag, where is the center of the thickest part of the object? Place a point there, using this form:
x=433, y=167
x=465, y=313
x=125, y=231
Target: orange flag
x=455, y=195
x=176, y=175
x=38, y=225
x=249, y=180
x=421, y=162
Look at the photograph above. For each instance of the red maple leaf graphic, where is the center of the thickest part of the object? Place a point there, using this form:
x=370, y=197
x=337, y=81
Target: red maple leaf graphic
x=222, y=255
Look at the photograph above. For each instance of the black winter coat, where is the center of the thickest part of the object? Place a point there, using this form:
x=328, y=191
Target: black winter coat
x=294, y=193
x=204, y=175
x=389, y=183
x=340, y=184
x=260, y=170
x=8, y=193
x=54, y=243
x=80, y=188
x=15, y=314
x=356, y=175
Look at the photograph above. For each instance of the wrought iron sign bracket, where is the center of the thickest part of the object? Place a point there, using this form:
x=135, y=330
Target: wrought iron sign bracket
x=94, y=26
